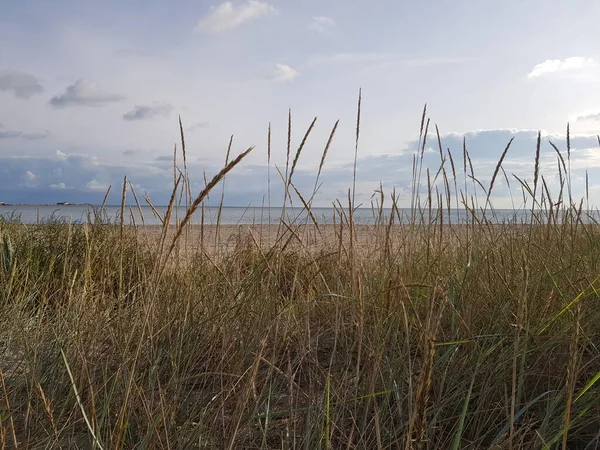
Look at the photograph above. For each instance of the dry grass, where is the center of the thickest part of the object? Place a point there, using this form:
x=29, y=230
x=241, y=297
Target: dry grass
x=422, y=335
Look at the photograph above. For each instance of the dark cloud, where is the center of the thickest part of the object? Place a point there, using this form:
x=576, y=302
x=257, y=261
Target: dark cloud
x=84, y=93
x=9, y=134
x=84, y=178
x=21, y=84
x=13, y=134
x=141, y=112
x=72, y=177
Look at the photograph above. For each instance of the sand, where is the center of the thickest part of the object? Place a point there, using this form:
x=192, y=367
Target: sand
x=227, y=237
x=368, y=239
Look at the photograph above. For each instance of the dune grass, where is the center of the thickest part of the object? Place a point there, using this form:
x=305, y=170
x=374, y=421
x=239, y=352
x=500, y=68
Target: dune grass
x=437, y=335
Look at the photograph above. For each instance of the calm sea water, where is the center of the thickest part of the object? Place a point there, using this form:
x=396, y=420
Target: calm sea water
x=233, y=215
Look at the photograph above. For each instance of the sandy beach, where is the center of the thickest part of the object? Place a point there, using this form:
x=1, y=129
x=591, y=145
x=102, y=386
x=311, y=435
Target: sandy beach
x=367, y=239
x=227, y=237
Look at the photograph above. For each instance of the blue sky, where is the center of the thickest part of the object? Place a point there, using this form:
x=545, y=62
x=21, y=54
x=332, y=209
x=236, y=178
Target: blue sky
x=91, y=91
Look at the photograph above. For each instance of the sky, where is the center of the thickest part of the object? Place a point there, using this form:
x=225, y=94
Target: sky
x=91, y=92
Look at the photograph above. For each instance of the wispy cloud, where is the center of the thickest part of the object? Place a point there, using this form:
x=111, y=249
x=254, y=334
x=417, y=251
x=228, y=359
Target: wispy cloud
x=376, y=58
x=322, y=23
x=84, y=93
x=228, y=15
x=14, y=134
x=589, y=118
x=197, y=126
x=572, y=64
x=283, y=73
x=141, y=112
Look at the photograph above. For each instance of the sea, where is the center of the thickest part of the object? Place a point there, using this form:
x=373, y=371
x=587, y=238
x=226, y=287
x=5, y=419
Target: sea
x=145, y=215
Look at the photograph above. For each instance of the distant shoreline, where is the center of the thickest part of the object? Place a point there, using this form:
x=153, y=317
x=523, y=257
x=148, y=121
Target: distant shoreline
x=181, y=206
x=48, y=204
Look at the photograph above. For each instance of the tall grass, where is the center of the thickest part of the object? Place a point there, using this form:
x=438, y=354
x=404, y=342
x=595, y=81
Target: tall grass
x=418, y=333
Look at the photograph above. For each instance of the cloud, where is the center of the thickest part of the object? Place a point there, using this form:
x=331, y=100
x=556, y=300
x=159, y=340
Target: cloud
x=94, y=185
x=30, y=176
x=228, y=15
x=486, y=146
x=13, y=134
x=382, y=59
x=283, y=73
x=84, y=93
x=572, y=64
x=322, y=23
x=21, y=84
x=197, y=126
x=9, y=134
x=76, y=178
x=589, y=118
x=141, y=112
x=80, y=178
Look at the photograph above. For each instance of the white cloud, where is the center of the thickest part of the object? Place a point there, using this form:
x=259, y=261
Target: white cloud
x=30, y=176
x=228, y=15
x=95, y=185
x=21, y=84
x=84, y=93
x=141, y=112
x=284, y=73
x=322, y=23
x=573, y=63
x=59, y=186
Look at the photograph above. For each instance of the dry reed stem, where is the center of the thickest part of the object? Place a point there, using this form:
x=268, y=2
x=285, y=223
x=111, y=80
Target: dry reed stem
x=571, y=377
x=326, y=150
x=520, y=320
x=192, y=209
x=417, y=435
x=220, y=211
x=137, y=202
x=105, y=198
x=299, y=151
x=157, y=215
x=536, y=171
x=356, y=145
x=188, y=190
x=289, y=144
x=306, y=207
x=497, y=168
x=8, y=410
x=167, y=218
